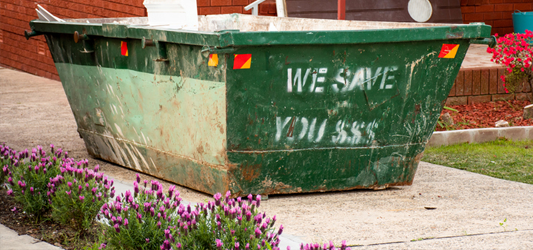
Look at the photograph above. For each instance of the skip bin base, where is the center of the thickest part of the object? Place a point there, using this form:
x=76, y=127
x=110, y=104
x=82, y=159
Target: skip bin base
x=268, y=172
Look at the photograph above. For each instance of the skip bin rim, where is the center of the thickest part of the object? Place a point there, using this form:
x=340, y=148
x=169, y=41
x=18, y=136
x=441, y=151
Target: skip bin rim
x=223, y=39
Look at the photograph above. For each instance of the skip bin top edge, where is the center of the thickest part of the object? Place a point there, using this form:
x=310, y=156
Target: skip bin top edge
x=235, y=38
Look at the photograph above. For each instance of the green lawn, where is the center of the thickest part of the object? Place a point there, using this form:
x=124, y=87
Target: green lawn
x=505, y=159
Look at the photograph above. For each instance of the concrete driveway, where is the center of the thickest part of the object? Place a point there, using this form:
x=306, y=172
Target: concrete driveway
x=444, y=208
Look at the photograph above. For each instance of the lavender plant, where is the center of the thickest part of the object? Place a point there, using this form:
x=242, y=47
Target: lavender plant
x=28, y=177
x=317, y=246
x=139, y=220
x=224, y=224
x=6, y=159
x=78, y=193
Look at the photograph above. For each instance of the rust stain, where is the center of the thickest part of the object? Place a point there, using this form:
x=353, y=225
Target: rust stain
x=251, y=172
x=291, y=128
x=418, y=157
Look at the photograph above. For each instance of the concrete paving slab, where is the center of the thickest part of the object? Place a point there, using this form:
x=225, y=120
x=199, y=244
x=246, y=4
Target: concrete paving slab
x=34, y=111
x=10, y=240
x=477, y=57
x=501, y=240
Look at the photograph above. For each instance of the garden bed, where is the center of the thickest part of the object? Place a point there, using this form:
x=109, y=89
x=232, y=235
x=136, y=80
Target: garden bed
x=485, y=115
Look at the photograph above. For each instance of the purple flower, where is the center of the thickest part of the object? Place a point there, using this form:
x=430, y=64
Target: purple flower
x=219, y=243
x=96, y=168
x=102, y=246
x=135, y=188
x=10, y=192
x=280, y=229
x=31, y=190
x=117, y=228
x=257, y=232
x=82, y=198
x=258, y=199
x=343, y=245
x=228, y=194
x=68, y=192
x=137, y=178
x=14, y=209
x=236, y=244
x=171, y=190
x=217, y=197
x=178, y=246
x=69, y=184
x=159, y=224
x=147, y=240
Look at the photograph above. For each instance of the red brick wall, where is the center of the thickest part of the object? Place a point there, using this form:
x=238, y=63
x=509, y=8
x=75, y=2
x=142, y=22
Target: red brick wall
x=483, y=85
x=497, y=13
x=33, y=56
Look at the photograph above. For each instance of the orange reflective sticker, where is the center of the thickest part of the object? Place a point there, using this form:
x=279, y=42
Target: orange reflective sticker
x=123, y=48
x=448, y=50
x=213, y=60
x=242, y=61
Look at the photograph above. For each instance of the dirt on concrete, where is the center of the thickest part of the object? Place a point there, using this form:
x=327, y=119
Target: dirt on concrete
x=34, y=111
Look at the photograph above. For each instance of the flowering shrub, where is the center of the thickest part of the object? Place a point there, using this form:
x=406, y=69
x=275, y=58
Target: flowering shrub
x=148, y=218
x=77, y=194
x=317, y=246
x=225, y=224
x=139, y=220
x=514, y=52
x=28, y=177
x=6, y=160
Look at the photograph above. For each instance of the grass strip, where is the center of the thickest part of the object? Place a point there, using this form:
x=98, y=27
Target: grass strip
x=504, y=159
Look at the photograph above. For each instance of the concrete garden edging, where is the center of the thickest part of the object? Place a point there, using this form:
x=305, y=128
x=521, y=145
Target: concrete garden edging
x=479, y=135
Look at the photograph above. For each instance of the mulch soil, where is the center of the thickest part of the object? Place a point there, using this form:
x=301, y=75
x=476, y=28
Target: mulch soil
x=485, y=115
x=45, y=230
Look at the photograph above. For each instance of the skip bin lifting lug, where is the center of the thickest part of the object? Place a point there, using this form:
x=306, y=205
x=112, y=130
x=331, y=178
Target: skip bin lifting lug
x=78, y=37
x=214, y=50
x=87, y=45
x=491, y=41
x=161, y=48
x=30, y=34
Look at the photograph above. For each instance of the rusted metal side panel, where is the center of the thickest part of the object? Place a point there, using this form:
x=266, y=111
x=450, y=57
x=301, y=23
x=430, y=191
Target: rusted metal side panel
x=169, y=126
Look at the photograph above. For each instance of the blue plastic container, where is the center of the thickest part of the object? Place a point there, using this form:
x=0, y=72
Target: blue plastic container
x=522, y=21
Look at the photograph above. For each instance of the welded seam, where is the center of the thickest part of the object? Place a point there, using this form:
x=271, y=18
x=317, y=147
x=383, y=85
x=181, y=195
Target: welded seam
x=219, y=167
x=439, y=238
x=322, y=148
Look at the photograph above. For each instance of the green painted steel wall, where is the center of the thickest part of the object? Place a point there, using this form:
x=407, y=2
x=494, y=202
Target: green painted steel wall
x=320, y=117
x=315, y=111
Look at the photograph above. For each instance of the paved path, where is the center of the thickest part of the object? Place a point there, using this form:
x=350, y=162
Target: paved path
x=10, y=240
x=469, y=207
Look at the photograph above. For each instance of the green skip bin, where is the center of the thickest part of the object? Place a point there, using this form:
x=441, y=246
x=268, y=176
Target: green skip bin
x=261, y=105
